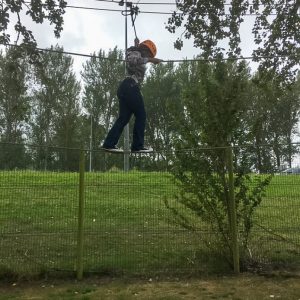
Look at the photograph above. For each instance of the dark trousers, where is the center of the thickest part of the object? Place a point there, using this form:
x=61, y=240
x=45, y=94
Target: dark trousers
x=130, y=103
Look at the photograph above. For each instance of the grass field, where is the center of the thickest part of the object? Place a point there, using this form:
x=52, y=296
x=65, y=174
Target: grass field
x=127, y=229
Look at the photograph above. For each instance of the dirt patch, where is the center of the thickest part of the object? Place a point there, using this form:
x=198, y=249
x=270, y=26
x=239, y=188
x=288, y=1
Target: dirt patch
x=243, y=287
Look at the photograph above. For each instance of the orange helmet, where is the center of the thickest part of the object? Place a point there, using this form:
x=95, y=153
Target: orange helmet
x=150, y=45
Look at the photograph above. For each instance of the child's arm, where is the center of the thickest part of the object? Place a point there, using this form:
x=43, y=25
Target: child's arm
x=154, y=60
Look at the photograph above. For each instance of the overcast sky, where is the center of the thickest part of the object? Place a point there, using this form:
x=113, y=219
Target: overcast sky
x=88, y=31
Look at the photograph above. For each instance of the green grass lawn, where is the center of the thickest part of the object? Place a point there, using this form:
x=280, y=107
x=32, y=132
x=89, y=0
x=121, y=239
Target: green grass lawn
x=127, y=228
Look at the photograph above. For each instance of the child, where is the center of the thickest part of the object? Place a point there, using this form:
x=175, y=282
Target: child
x=130, y=98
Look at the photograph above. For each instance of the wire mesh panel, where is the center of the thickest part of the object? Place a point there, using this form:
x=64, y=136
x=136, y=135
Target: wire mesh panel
x=169, y=214
x=137, y=221
x=129, y=227
x=275, y=238
x=38, y=213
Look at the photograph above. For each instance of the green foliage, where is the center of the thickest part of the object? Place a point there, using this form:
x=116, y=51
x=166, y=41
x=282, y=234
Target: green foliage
x=191, y=104
x=55, y=111
x=214, y=110
x=272, y=119
x=215, y=101
x=101, y=78
x=161, y=90
x=212, y=22
x=14, y=107
x=204, y=192
x=38, y=10
x=250, y=190
x=14, y=103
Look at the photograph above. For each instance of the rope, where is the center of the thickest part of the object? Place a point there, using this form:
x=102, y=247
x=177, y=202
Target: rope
x=230, y=58
x=133, y=12
x=165, y=61
x=70, y=53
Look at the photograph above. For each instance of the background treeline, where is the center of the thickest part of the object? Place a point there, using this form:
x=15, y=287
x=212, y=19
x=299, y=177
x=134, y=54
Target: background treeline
x=188, y=105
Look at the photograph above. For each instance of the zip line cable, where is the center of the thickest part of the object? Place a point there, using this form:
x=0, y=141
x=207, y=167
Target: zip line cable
x=133, y=11
x=165, y=61
x=142, y=12
x=162, y=3
x=143, y=3
x=135, y=3
x=111, y=9
x=117, y=10
x=69, y=53
x=146, y=12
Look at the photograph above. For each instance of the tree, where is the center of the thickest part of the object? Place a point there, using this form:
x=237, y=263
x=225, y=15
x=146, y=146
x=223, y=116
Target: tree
x=261, y=120
x=14, y=108
x=101, y=76
x=215, y=105
x=272, y=120
x=161, y=91
x=38, y=10
x=212, y=22
x=56, y=110
x=289, y=119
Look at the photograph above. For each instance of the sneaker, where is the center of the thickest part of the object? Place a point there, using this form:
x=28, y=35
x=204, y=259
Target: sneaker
x=114, y=149
x=143, y=150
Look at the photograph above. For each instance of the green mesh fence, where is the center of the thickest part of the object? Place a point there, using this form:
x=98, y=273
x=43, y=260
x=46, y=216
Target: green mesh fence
x=275, y=239
x=38, y=216
x=130, y=222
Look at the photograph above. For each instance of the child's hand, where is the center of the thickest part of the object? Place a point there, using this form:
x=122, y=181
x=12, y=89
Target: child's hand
x=136, y=42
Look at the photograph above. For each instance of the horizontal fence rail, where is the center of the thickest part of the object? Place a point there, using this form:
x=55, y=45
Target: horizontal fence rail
x=169, y=214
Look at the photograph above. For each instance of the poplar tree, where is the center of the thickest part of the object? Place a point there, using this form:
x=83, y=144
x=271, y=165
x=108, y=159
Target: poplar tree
x=101, y=76
x=56, y=110
x=161, y=91
x=14, y=109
